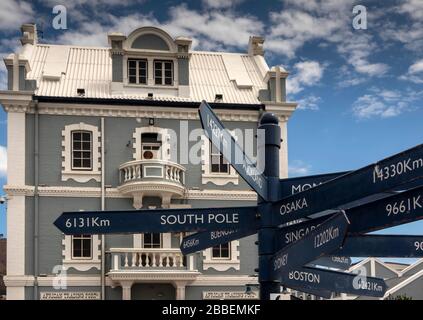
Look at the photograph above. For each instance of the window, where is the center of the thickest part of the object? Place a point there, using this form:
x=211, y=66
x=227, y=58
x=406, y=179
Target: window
x=218, y=162
x=81, y=246
x=137, y=71
x=163, y=72
x=82, y=150
x=150, y=146
x=152, y=240
x=221, y=251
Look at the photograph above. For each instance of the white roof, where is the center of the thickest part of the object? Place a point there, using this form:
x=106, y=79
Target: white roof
x=91, y=68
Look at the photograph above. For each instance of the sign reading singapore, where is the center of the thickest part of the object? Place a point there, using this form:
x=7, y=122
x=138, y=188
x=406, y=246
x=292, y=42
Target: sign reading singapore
x=320, y=220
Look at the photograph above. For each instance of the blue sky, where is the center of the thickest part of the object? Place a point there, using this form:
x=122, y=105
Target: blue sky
x=360, y=91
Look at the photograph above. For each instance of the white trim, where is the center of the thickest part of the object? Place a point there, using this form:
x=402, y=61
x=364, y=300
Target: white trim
x=411, y=267
x=222, y=264
x=403, y=284
x=16, y=235
x=16, y=146
x=81, y=176
x=222, y=280
x=372, y=266
x=82, y=264
x=94, y=192
x=207, y=176
x=163, y=136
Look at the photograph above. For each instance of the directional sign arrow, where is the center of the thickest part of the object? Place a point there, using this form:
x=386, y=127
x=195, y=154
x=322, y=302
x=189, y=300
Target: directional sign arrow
x=334, y=281
x=295, y=185
x=388, y=212
x=338, y=262
x=156, y=221
x=375, y=178
x=396, y=246
x=326, y=238
x=231, y=150
x=207, y=239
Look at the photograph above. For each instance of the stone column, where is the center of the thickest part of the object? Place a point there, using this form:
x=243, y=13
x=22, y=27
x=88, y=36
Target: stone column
x=126, y=290
x=180, y=290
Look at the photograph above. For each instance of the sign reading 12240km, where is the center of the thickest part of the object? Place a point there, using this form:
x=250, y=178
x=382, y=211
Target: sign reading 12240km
x=302, y=223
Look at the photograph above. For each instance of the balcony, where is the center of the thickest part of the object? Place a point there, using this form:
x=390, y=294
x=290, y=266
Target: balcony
x=154, y=177
x=141, y=264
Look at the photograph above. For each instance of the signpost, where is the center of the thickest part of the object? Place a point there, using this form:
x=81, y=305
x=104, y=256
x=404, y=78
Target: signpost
x=158, y=220
x=292, y=237
x=381, y=176
x=396, y=246
x=323, y=240
x=334, y=281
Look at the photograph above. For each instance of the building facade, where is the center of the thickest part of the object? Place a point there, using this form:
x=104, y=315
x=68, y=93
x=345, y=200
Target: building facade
x=114, y=128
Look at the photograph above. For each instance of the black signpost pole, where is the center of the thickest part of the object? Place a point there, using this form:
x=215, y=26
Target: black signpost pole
x=266, y=234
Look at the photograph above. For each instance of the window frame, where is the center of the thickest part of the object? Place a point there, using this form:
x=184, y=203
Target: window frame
x=152, y=243
x=222, y=161
x=163, y=72
x=81, y=237
x=90, y=168
x=228, y=244
x=137, y=71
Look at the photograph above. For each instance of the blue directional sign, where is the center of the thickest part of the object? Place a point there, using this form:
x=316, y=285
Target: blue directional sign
x=290, y=186
x=207, y=239
x=157, y=221
x=231, y=150
x=323, y=240
x=376, y=178
x=334, y=281
x=337, y=262
x=397, y=209
x=395, y=246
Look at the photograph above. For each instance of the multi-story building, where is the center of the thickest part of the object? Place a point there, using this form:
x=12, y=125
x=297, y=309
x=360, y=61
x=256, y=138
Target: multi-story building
x=93, y=128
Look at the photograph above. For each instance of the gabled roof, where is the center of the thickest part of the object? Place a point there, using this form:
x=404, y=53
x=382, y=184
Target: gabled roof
x=91, y=68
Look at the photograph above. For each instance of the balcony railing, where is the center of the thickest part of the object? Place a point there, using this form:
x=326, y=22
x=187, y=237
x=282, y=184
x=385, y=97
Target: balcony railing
x=148, y=259
x=140, y=170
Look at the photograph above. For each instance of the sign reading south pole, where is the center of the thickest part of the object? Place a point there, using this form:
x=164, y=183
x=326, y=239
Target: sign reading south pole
x=231, y=150
x=156, y=221
x=323, y=240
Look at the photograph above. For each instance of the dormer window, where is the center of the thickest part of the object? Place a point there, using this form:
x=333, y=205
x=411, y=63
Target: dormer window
x=137, y=71
x=163, y=72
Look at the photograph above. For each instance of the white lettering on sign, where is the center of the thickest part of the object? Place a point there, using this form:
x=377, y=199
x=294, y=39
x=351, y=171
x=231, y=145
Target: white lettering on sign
x=404, y=206
x=326, y=236
x=87, y=222
x=229, y=295
x=252, y=171
x=303, y=187
x=220, y=234
x=69, y=295
x=298, y=234
x=343, y=260
x=217, y=132
x=396, y=169
x=293, y=206
x=192, y=218
x=280, y=262
x=418, y=245
x=190, y=243
x=304, y=276
x=364, y=284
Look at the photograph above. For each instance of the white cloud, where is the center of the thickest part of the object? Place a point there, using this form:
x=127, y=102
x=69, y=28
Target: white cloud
x=210, y=31
x=14, y=13
x=327, y=21
x=3, y=161
x=298, y=168
x=306, y=73
x=386, y=103
x=415, y=72
x=221, y=4
x=309, y=103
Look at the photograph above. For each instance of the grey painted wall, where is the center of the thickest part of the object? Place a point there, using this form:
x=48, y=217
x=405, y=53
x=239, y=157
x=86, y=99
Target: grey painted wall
x=117, y=68
x=150, y=41
x=183, y=71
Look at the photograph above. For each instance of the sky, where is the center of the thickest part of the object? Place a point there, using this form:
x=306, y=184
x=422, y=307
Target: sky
x=359, y=91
